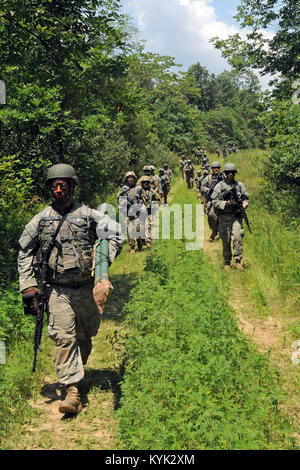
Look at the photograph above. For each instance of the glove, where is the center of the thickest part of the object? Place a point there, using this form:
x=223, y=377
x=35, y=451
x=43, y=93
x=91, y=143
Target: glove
x=101, y=293
x=29, y=297
x=234, y=204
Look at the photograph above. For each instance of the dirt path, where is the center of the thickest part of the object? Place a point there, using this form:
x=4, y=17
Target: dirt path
x=270, y=334
x=96, y=427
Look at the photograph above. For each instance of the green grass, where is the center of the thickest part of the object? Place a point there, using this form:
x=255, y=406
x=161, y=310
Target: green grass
x=192, y=379
x=272, y=253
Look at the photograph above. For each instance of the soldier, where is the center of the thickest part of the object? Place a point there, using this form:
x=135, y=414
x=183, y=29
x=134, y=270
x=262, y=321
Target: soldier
x=146, y=198
x=149, y=171
x=189, y=173
x=227, y=198
x=197, y=182
x=205, y=162
x=168, y=172
x=202, y=178
x=73, y=317
x=198, y=155
x=207, y=188
x=126, y=201
x=181, y=165
x=164, y=185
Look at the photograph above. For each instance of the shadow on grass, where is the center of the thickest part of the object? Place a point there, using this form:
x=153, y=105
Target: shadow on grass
x=96, y=380
x=106, y=380
x=122, y=283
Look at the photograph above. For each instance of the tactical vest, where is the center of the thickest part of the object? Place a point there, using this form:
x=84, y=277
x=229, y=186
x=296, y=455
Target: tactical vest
x=73, y=244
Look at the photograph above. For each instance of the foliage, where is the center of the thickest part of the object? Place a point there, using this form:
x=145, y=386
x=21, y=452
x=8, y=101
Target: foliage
x=192, y=380
x=272, y=38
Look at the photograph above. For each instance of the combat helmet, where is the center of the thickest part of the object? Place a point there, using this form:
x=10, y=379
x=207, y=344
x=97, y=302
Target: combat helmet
x=62, y=170
x=215, y=165
x=229, y=167
x=130, y=173
x=145, y=179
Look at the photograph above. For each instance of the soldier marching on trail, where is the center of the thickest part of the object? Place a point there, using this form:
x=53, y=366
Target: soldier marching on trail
x=205, y=162
x=70, y=229
x=197, y=182
x=198, y=155
x=230, y=198
x=203, y=198
x=207, y=187
x=168, y=172
x=164, y=185
x=146, y=199
x=181, y=165
x=126, y=202
x=189, y=174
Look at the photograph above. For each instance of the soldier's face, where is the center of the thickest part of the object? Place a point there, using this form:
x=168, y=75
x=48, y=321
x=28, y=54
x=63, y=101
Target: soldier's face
x=216, y=170
x=130, y=180
x=61, y=189
x=229, y=175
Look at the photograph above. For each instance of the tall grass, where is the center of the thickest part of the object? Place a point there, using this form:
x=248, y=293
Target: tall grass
x=272, y=253
x=192, y=379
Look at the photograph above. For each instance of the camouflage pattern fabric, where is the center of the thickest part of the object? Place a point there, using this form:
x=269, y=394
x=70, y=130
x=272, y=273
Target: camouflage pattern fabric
x=230, y=223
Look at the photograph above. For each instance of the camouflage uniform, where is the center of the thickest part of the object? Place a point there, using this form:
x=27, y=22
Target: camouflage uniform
x=229, y=220
x=212, y=217
x=198, y=155
x=203, y=198
x=189, y=173
x=126, y=201
x=181, y=166
x=197, y=182
x=164, y=185
x=145, y=199
x=73, y=317
x=168, y=172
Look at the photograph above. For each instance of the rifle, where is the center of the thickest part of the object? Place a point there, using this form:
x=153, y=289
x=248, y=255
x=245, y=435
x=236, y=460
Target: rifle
x=240, y=207
x=42, y=301
x=213, y=185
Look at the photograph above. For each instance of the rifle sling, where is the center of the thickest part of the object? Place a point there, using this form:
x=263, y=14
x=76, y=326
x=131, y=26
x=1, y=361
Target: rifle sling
x=49, y=249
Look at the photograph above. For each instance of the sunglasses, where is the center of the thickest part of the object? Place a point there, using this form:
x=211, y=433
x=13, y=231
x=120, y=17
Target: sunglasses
x=63, y=186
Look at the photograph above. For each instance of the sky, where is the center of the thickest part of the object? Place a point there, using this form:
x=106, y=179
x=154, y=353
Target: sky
x=182, y=29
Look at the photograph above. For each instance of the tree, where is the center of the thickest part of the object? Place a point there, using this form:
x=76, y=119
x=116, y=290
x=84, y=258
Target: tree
x=272, y=45
x=61, y=63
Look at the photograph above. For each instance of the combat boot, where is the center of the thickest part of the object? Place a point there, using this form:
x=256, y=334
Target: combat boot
x=227, y=267
x=72, y=402
x=239, y=265
x=132, y=251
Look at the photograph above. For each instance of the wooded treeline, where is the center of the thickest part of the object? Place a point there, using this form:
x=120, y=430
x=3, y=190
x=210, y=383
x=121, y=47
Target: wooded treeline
x=82, y=90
